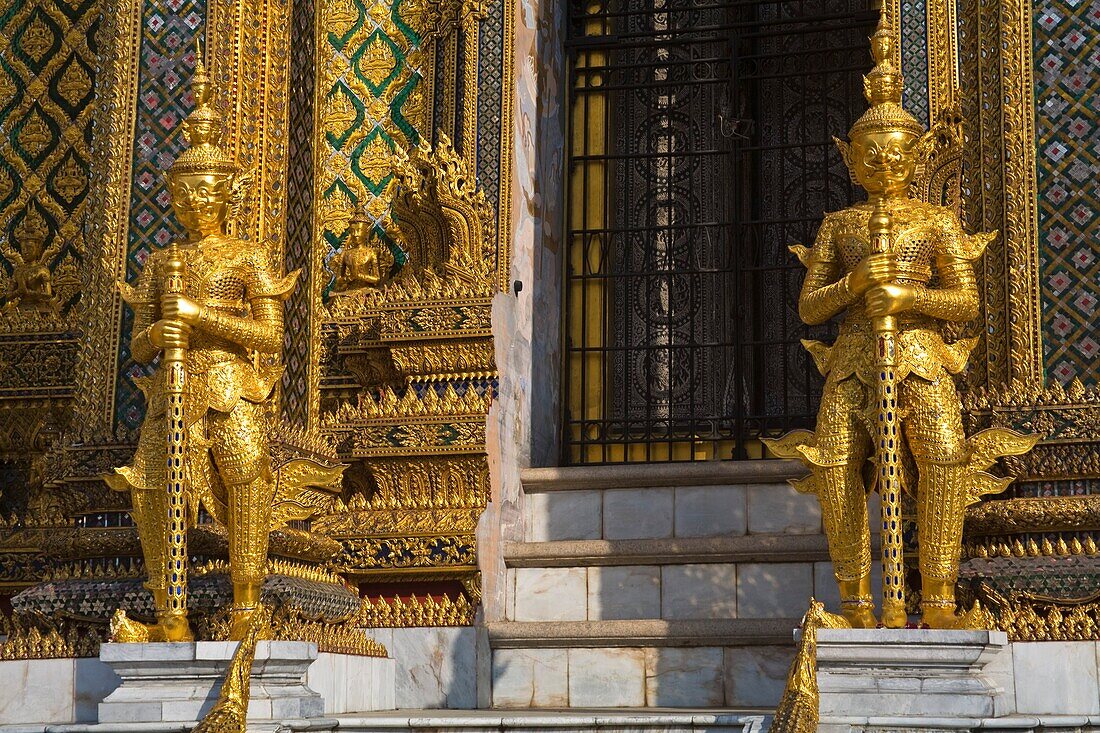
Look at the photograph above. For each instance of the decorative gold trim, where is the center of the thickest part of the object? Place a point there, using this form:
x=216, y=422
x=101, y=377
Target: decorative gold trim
x=1021, y=233
x=943, y=59
x=111, y=173
x=507, y=147
x=1031, y=617
x=1044, y=514
x=470, y=37
x=891, y=17
x=449, y=59
x=1000, y=186
x=250, y=45
x=413, y=611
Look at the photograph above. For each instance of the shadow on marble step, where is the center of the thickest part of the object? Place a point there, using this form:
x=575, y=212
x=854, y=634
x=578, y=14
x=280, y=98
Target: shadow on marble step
x=642, y=633
x=684, y=678
x=662, y=513
x=561, y=721
x=709, y=473
x=668, y=551
x=702, y=591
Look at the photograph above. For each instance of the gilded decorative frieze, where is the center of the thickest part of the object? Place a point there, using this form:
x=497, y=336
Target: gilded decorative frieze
x=111, y=167
x=430, y=482
x=409, y=554
x=48, y=74
x=414, y=611
x=1038, y=616
x=359, y=520
x=1067, y=417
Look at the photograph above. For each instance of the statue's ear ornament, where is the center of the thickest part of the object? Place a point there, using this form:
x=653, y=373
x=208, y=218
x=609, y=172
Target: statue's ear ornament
x=243, y=187
x=845, y=149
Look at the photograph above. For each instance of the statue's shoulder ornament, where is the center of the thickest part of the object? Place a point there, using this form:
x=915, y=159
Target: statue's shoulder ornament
x=264, y=281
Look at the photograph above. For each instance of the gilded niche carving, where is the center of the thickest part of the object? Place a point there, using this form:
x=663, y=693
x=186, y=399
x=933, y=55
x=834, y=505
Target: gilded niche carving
x=30, y=286
x=406, y=358
x=357, y=265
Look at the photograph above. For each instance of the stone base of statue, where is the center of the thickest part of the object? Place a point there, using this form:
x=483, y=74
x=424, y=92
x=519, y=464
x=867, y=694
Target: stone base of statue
x=869, y=676
x=180, y=682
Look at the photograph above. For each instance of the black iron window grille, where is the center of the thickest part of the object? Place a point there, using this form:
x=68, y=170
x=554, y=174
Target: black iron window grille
x=700, y=149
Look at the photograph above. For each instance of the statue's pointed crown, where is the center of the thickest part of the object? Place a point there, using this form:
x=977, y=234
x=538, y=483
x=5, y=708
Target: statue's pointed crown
x=203, y=130
x=883, y=87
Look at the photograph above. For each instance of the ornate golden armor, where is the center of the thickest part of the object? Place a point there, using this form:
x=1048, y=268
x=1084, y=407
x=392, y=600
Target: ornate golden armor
x=228, y=318
x=922, y=281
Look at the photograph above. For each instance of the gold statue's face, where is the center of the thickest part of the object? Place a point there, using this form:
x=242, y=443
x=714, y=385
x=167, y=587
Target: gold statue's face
x=884, y=162
x=201, y=201
x=358, y=233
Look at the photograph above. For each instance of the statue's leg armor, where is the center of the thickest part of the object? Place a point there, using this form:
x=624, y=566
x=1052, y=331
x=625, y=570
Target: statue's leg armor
x=239, y=444
x=150, y=514
x=843, y=445
x=934, y=430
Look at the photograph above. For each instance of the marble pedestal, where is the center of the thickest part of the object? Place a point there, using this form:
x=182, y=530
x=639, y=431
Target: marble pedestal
x=864, y=674
x=180, y=682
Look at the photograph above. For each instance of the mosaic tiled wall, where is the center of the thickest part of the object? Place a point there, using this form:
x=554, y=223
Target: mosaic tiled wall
x=491, y=97
x=47, y=74
x=163, y=100
x=914, y=57
x=1067, y=130
x=371, y=71
x=299, y=212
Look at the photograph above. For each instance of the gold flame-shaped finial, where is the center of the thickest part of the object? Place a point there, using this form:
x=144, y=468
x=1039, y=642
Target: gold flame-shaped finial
x=203, y=129
x=882, y=87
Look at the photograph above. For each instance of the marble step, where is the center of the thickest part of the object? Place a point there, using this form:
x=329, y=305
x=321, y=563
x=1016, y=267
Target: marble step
x=667, y=511
x=681, y=501
x=611, y=664
x=691, y=587
x=642, y=475
x=559, y=721
x=643, y=633
x=667, y=551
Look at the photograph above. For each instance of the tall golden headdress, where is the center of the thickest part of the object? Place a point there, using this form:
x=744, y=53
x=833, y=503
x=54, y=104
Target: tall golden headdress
x=883, y=87
x=203, y=130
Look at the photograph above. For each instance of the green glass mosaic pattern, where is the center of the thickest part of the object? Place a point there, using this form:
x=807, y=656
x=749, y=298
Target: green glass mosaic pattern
x=164, y=100
x=1067, y=129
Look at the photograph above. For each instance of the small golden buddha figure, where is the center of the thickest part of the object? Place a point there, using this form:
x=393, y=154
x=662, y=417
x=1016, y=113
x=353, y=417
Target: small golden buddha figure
x=31, y=285
x=356, y=265
x=926, y=281
x=230, y=310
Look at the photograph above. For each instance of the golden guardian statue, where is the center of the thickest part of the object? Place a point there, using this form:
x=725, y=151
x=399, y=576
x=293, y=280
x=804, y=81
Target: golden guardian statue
x=211, y=308
x=900, y=270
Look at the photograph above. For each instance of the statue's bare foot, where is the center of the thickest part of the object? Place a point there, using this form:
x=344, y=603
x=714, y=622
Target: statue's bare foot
x=895, y=619
x=859, y=614
x=939, y=617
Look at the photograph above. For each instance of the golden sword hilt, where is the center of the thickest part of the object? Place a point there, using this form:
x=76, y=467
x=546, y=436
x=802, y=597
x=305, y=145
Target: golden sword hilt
x=174, y=363
x=887, y=445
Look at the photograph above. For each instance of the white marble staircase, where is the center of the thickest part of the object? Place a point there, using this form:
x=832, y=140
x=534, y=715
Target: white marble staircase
x=555, y=721
x=649, y=586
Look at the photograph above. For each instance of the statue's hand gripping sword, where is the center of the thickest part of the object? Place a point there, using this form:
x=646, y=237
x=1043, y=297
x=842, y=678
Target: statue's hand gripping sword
x=174, y=363
x=887, y=436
